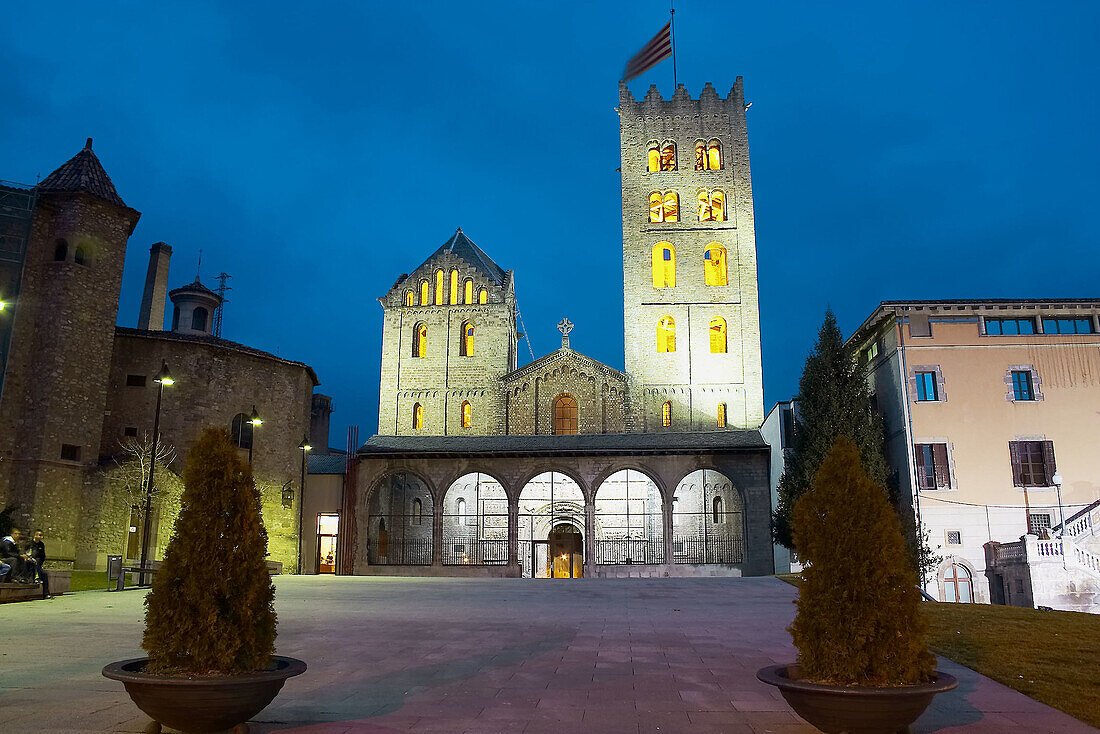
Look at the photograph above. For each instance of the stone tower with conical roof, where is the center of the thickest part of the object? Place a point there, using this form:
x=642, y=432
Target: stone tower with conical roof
x=448, y=337
x=56, y=381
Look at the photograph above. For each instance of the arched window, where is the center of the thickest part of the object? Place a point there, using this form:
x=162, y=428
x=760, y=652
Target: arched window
x=714, y=156
x=714, y=265
x=483, y=297
x=721, y=415
x=241, y=430
x=469, y=292
x=408, y=298
x=424, y=293
x=700, y=155
x=418, y=512
x=418, y=417
x=78, y=256
x=666, y=334
x=420, y=340
x=461, y=507
x=712, y=205
x=467, y=345
x=668, y=156
x=61, y=250
x=718, y=335
x=198, y=319
x=467, y=415
x=664, y=265
x=653, y=157
x=439, y=288
x=957, y=585
x=454, y=287
x=716, y=509
x=666, y=414
x=664, y=206
x=565, y=416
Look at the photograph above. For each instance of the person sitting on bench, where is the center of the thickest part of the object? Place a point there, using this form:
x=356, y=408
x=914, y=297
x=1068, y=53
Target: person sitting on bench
x=36, y=549
x=23, y=568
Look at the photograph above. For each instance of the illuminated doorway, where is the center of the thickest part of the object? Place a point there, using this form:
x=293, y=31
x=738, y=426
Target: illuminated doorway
x=328, y=527
x=566, y=549
x=548, y=504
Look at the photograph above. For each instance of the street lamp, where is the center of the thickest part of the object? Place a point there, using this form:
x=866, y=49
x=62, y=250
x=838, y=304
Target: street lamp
x=305, y=447
x=256, y=421
x=1057, y=479
x=163, y=378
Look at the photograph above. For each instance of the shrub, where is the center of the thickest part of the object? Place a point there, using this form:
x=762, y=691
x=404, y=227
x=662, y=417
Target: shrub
x=858, y=620
x=211, y=610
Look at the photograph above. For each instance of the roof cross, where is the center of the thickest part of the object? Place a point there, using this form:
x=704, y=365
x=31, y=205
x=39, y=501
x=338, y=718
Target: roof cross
x=565, y=326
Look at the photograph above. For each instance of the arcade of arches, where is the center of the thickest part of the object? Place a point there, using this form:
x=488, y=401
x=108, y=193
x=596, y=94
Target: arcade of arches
x=502, y=507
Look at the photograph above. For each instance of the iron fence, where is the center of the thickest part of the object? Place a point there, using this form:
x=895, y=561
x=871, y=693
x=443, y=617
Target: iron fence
x=623, y=551
x=460, y=551
x=406, y=552
x=710, y=550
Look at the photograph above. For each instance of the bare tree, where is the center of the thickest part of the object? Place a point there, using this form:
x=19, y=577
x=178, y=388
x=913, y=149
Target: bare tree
x=133, y=464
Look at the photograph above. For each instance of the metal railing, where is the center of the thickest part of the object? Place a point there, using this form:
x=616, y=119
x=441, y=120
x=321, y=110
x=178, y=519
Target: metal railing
x=629, y=551
x=462, y=552
x=409, y=552
x=711, y=550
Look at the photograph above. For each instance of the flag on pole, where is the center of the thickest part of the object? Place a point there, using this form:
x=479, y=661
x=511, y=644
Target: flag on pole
x=657, y=50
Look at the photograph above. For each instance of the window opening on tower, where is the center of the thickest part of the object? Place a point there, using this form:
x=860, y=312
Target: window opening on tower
x=420, y=340
x=424, y=293
x=467, y=346
x=418, y=417
x=469, y=292
x=714, y=264
x=718, y=335
x=666, y=334
x=666, y=414
x=467, y=415
x=483, y=297
x=439, y=288
x=664, y=206
x=708, y=156
x=712, y=205
x=454, y=287
x=664, y=265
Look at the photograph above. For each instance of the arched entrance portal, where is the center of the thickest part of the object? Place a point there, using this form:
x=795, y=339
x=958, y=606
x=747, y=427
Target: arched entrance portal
x=550, y=505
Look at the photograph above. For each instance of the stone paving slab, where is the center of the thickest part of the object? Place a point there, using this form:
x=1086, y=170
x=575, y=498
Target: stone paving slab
x=481, y=656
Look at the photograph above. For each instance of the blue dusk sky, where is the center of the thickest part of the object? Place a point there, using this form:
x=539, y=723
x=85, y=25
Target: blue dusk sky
x=316, y=151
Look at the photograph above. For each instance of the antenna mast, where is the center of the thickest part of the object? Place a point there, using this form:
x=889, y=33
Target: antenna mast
x=221, y=289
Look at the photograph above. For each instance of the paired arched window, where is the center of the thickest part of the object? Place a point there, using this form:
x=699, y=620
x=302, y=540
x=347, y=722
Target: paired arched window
x=664, y=265
x=467, y=415
x=454, y=287
x=418, y=512
x=664, y=206
x=420, y=340
x=424, y=293
x=198, y=319
x=661, y=157
x=418, y=417
x=469, y=292
x=565, y=415
x=483, y=297
x=718, y=335
x=714, y=265
x=716, y=509
x=61, y=250
x=666, y=334
x=467, y=345
x=708, y=156
x=721, y=415
x=78, y=256
x=439, y=288
x=666, y=414
x=712, y=205
x=241, y=430
x=409, y=298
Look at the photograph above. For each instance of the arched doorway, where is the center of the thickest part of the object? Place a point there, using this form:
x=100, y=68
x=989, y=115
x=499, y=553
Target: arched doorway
x=629, y=520
x=707, y=520
x=548, y=502
x=957, y=584
x=566, y=552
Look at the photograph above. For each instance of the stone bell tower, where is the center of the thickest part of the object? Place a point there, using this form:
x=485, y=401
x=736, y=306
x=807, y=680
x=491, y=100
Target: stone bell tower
x=691, y=307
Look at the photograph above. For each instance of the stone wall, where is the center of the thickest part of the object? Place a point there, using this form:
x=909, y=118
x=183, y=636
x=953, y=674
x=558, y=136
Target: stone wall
x=600, y=393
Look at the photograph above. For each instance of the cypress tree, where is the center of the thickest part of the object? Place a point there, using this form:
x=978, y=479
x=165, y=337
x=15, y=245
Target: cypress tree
x=211, y=610
x=833, y=400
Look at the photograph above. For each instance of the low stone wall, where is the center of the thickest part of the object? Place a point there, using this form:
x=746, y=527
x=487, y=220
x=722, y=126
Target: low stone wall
x=19, y=592
x=463, y=571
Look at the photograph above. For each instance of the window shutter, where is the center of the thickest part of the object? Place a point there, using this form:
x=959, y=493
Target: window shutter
x=943, y=475
x=1049, y=466
x=1017, y=469
x=921, y=473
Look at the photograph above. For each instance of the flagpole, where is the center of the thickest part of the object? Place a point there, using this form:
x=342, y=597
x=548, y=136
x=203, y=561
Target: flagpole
x=672, y=12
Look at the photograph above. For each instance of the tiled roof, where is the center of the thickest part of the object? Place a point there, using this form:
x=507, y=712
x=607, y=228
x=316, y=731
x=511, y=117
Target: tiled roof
x=597, y=443
x=461, y=245
x=83, y=172
x=327, y=463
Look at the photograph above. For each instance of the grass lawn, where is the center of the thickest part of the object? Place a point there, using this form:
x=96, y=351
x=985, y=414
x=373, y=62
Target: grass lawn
x=1049, y=656
x=88, y=581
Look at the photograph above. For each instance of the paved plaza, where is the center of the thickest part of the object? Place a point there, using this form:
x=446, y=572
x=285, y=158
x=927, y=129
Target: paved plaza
x=464, y=655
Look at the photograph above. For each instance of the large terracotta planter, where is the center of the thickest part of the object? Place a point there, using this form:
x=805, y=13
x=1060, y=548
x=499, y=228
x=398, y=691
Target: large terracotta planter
x=854, y=710
x=203, y=705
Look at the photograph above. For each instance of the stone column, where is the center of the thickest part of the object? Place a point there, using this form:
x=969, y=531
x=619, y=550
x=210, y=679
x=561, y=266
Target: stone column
x=666, y=519
x=513, y=532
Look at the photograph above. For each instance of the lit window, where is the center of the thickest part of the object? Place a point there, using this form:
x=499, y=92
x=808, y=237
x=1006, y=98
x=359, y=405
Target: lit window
x=565, y=416
x=714, y=264
x=454, y=287
x=718, y=335
x=467, y=345
x=418, y=416
x=664, y=265
x=666, y=414
x=668, y=156
x=666, y=334
x=420, y=340
x=467, y=416
x=653, y=157
x=672, y=207
x=664, y=206
x=721, y=415
x=483, y=297
x=423, y=293
x=700, y=155
x=408, y=298
x=1021, y=385
x=469, y=292
x=714, y=156
x=716, y=509
x=712, y=206
x=926, y=387
x=656, y=213
x=439, y=288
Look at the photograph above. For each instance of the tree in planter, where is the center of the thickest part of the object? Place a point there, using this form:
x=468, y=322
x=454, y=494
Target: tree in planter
x=858, y=621
x=211, y=610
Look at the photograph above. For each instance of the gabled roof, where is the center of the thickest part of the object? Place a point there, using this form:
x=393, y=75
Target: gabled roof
x=83, y=172
x=565, y=354
x=461, y=245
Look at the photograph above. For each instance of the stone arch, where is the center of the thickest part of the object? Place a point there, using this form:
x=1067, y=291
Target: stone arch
x=544, y=467
x=474, y=513
x=941, y=571
x=405, y=502
x=698, y=535
x=547, y=499
x=628, y=519
x=617, y=466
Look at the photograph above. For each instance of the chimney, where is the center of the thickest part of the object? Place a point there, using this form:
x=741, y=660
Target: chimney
x=151, y=316
x=319, y=422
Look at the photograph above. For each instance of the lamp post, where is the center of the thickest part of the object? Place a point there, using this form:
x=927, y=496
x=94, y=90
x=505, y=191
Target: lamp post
x=162, y=378
x=305, y=447
x=1057, y=479
x=256, y=421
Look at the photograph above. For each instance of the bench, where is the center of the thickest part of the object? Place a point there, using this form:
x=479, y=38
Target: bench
x=117, y=570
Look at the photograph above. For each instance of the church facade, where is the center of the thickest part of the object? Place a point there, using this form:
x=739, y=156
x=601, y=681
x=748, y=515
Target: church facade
x=566, y=466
